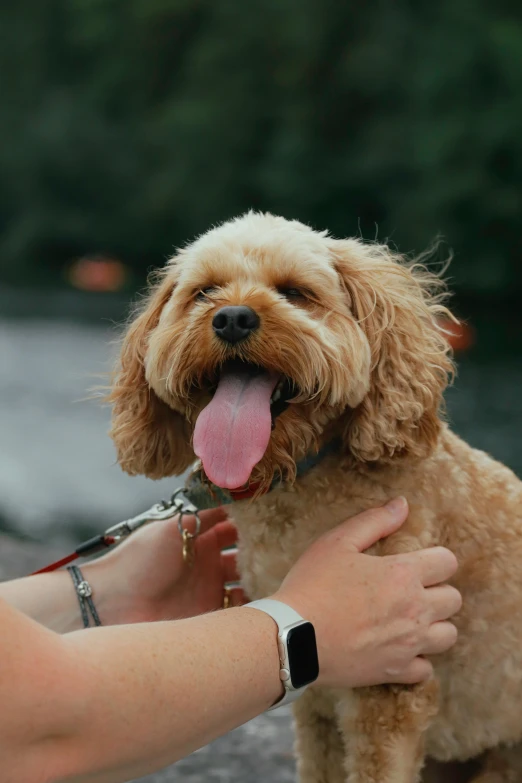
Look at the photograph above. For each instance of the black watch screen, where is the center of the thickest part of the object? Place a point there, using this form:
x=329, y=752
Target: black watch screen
x=302, y=655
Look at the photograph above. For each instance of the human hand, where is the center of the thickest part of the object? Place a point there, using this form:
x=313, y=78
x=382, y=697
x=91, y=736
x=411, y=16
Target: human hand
x=374, y=616
x=146, y=579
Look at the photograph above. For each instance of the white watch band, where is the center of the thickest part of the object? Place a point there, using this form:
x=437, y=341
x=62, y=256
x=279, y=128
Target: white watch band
x=285, y=618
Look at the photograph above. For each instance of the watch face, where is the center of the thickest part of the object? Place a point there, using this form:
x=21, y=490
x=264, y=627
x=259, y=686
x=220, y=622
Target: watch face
x=302, y=655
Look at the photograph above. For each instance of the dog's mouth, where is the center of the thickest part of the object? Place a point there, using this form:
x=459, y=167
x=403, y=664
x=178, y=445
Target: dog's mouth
x=232, y=433
x=279, y=401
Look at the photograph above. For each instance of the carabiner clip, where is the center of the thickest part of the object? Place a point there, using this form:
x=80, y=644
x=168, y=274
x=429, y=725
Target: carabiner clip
x=165, y=509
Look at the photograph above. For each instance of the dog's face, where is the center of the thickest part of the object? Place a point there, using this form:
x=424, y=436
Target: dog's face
x=264, y=337
x=257, y=347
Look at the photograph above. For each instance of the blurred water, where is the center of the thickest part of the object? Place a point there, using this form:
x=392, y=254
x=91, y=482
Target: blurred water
x=485, y=407
x=58, y=476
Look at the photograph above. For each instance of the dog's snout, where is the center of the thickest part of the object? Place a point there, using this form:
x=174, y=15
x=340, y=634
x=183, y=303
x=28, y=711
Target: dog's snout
x=235, y=323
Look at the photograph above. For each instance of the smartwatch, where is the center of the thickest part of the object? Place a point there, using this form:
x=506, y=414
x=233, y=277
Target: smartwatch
x=299, y=664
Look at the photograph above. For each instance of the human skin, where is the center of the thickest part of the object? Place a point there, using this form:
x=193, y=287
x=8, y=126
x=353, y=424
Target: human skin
x=142, y=580
x=112, y=703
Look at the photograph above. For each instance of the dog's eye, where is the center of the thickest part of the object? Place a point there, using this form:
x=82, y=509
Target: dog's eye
x=202, y=294
x=292, y=293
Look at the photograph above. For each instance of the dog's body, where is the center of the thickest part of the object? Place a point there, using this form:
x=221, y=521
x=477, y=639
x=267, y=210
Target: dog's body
x=459, y=498
x=352, y=332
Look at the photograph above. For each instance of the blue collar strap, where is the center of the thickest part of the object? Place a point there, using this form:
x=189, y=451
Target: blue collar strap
x=203, y=494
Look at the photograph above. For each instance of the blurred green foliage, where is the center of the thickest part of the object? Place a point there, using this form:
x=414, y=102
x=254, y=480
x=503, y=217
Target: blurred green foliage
x=128, y=126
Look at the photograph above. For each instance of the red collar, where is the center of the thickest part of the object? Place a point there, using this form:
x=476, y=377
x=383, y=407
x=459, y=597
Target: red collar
x=243, y=493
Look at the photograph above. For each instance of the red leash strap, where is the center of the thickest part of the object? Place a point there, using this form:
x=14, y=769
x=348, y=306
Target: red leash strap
x=56, y=565
x=87, y=548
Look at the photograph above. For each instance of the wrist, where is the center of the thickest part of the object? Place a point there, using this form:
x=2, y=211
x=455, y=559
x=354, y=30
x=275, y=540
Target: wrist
x=47, y=598
x=297, y=647
x=268, y=627
x=110, y=600
x=301, y=605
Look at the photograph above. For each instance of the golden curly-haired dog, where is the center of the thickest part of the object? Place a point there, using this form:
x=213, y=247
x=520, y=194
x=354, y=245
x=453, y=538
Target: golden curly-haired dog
x=264, y=340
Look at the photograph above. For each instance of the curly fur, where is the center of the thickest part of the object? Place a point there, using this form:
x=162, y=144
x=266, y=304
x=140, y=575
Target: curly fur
x=370, y=364
x=398, y=306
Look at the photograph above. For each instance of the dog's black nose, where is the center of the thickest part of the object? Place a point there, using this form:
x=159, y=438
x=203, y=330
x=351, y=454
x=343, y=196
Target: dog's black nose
x=235, y=323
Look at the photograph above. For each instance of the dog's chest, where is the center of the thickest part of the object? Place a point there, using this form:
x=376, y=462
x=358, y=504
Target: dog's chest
x=276, y=529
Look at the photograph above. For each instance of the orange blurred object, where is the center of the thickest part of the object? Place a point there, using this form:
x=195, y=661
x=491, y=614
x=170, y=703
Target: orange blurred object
x=460, y=336
x=97, y=274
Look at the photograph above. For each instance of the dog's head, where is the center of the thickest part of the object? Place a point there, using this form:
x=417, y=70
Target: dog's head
x=264, y=337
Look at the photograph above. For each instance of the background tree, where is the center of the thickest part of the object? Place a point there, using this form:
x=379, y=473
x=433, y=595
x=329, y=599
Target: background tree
x=128, y=126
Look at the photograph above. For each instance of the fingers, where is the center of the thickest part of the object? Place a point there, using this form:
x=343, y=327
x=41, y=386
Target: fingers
x=209, y=518
x=418, y=670
x=443, y=601
x=364, y=530
x=231, y=578
x=226, y=534
x=229, y=566
x=236, y=596
x=436, y=565
x=440, y=637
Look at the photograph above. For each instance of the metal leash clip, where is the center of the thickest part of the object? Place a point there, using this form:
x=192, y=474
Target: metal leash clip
x=178, y=505
x=165, y=509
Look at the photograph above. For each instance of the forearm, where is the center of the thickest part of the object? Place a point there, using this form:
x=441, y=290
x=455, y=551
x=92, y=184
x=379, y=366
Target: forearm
x=132, y=699
x=50, y=599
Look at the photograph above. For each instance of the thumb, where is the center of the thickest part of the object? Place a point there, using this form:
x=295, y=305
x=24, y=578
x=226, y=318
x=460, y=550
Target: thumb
x=364, y=530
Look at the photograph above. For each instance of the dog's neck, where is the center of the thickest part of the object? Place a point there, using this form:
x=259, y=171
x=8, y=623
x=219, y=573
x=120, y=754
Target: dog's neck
x=203, y=494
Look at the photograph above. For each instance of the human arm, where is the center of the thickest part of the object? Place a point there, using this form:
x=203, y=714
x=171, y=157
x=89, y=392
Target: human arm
x=114, y=703
x=111, y=704
x=142, y=580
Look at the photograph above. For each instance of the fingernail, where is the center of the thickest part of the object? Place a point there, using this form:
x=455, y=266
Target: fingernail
x=397, y=506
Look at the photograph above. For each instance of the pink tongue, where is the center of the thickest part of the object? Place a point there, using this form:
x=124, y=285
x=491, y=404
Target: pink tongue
x=232, y=432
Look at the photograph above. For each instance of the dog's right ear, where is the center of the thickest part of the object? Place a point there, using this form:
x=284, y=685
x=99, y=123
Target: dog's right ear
x=150, y=438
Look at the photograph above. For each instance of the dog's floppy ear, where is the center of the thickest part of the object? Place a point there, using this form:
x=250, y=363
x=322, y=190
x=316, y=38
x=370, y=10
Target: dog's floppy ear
x=396, y=306
x=150, y=437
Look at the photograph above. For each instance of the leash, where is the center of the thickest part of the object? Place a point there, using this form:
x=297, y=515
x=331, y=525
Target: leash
x=165, y=509
x=197, y=494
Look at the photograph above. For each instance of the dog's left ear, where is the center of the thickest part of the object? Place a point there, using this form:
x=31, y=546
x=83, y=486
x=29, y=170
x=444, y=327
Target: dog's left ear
x=150, y=438
x=396, y=306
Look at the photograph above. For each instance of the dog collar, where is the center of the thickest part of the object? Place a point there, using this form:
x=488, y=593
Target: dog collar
x=203, y=494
